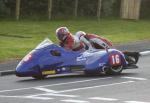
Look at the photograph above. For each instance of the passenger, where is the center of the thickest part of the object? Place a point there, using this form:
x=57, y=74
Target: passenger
x=93, y=40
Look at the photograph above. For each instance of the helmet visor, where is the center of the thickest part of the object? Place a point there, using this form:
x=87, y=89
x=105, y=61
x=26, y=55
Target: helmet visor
x=62, y=37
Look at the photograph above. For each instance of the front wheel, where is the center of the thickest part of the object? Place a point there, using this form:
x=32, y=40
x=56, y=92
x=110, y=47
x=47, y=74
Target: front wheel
x=40, y=77
x=115, y=70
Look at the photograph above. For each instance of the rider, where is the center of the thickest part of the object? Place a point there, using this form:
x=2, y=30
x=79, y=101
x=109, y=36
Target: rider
x=93, y=41
x=67, y=40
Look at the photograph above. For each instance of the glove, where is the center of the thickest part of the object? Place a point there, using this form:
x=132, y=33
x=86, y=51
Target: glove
x=61, y=44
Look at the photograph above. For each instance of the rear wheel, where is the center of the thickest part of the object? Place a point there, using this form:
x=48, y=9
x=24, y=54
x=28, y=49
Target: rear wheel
x=114, y=70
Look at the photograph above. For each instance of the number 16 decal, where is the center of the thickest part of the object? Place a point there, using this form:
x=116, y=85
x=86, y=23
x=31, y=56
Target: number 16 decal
x=115, y=60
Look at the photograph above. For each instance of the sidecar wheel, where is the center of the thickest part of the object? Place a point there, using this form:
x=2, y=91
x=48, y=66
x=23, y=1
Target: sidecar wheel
x=132, y=57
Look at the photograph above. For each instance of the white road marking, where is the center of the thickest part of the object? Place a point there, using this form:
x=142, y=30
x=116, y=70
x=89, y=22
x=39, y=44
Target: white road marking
x=61, y=95
x=103, y=99
x=55, y=84
x=5, y=96
x=6, y=71
x=135, y=78
x=135, y=102
x=83, y=88
x=55, y=94
x=29, y=97
x=74, y=101
x=40, y=98
x=88, y=80
x=45, y=89
x=145, y=53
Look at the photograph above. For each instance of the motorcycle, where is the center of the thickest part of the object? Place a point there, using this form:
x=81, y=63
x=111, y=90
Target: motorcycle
x=50, y=59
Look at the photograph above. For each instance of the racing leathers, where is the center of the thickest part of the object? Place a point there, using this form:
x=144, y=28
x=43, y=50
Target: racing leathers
x=72, y=43
x=94, y=41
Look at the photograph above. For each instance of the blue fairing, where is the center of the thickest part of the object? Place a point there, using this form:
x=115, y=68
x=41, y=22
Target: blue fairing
x=99, y=59
x=42, y=59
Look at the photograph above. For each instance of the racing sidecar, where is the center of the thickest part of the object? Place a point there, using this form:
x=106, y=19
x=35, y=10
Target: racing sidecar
x=50, y=59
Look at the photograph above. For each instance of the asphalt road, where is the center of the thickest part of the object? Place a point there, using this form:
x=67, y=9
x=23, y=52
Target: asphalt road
x=132, y=86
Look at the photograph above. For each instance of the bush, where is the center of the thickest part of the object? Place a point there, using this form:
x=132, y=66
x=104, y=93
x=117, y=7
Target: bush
x=65, y=8
x=145, y=9
x=3, y=8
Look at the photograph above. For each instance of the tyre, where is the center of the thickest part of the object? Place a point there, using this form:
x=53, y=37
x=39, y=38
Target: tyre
x=115, y=70
x=132, y=57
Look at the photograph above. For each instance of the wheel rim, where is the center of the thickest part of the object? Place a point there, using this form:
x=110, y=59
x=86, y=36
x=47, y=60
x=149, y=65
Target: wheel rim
x=117, y=68
x=132, y=60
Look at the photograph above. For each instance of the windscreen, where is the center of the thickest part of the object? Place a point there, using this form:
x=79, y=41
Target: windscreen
x=44, y=43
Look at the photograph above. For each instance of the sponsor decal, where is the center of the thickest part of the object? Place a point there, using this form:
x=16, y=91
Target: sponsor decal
x=84, y=56
x=101, y=64
x=48, y=72
x=81, y=58
x=115, y=59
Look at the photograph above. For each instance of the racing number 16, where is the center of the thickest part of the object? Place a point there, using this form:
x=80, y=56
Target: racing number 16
x=115, y=59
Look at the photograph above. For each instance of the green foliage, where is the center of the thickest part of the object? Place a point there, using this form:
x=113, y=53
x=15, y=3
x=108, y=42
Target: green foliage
x=3, y=9
x=33, y=7
x=61, y=8
x=87, y=7
x=37, y=9
x=110, y=7
x=2, y=6
x=145, y=9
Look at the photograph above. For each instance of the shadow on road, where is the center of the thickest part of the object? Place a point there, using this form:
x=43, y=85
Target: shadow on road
x=72, y=77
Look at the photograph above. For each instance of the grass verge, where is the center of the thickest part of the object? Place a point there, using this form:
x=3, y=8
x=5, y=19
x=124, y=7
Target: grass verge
x=19, y=37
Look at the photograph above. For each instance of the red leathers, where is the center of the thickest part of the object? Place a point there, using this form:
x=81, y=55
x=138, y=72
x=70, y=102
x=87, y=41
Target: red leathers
x=93, y=41
x=67, y=40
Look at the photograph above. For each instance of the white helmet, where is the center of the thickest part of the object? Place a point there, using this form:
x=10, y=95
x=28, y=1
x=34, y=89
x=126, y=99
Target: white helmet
x=79, y=34
x=62, y=33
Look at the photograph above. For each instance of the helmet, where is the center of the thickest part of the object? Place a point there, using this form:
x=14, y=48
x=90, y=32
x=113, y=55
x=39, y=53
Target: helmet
x=62, y=33
x=79, y=34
